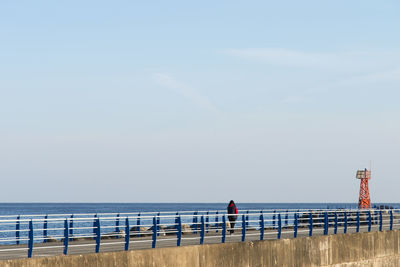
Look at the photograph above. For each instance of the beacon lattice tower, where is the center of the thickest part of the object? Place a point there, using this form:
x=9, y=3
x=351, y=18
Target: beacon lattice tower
x=364, y=200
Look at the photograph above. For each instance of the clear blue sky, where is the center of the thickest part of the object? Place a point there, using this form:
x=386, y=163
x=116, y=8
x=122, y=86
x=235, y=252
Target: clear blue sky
x=174, y=101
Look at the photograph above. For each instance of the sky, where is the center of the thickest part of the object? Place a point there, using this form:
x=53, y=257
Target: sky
x=180, y=101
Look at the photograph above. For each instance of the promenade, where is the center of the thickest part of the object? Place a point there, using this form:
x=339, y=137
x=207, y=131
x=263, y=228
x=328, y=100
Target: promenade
x=114, y=244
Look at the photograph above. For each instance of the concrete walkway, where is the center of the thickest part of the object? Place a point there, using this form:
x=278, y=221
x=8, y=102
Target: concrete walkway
x=108, y=245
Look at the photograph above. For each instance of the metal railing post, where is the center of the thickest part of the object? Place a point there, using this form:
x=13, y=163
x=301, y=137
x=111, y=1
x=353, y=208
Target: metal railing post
x=369, y=221
x=207, y=221
x=98, y=235
x=391, y=220
x=243, y=228
x=279, y=226
x=30, y=241
x=179, y=232
x=321, y=218
x=138, y=225
x=71, y=226
x=127, y=234
x=216, y=222
x=287, y=219
x=310, y=224
x=195, y=222
x=261, y=226
x=202, y=230
x=66, y=236
x=247, y=218
x=336, y=223
x=94, y=226
x=273, y=219
x=158, y=224
x=358, y=222
x=17, y=230
x=154, y=243
x=223, y=229
x=296, y=225
x=380, y=221
x=117, y=226
x=345, y=222
x=45, y=226
x=326, y=223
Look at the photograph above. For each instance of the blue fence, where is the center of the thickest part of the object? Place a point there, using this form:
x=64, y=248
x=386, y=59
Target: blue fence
x=29, y=232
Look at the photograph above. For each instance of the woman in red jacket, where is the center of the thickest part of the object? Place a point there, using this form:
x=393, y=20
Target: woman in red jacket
x=232, y=215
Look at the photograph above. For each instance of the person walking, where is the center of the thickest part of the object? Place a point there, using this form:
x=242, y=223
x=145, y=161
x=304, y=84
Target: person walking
x=232, y=215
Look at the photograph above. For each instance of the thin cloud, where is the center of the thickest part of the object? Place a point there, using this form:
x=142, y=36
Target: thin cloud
x=286, y=57
x=383, y=77
x=372, y=82
x=186, y=91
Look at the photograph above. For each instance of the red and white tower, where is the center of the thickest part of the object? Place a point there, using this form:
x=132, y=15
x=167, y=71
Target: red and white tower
x=364, y=200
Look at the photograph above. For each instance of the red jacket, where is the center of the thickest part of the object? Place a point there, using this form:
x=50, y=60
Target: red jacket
x=232, y=209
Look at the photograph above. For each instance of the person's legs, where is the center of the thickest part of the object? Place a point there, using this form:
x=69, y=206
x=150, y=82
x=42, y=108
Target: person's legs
x=231, y=223
x=232, y=226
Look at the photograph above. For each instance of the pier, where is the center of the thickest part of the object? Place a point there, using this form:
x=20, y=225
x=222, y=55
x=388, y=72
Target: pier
x=51, y=235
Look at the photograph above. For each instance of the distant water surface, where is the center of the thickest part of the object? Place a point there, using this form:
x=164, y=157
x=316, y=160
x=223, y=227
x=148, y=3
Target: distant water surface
x=69, y=208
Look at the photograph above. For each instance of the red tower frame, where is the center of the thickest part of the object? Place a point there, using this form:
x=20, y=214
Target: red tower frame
x=364, y=200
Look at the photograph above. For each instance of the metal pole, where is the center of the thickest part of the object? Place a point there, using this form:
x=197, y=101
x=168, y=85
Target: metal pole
x=279, y=226
x=138, y=225
x=127, y=234
x=391, y=220
x=154, y=243
x=98, y=235
x=17, y=229
x=71, y=226
x=216, y=222
x=243, y=228
x=207, y=221
x=45, y=226
x=202, y=230
x=179, y=232
x=223, y=229
x=30, y=241
x=261, y=226
x=369, y=221
x=117, y=226
x=326, y=223
x=336, y=223
x=66, y=236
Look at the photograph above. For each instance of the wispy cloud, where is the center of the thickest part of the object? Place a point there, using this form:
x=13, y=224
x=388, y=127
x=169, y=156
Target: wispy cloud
x=339, y=61
x=286, y=57
x=370, y=80
x=186, y=91
x=374, y=83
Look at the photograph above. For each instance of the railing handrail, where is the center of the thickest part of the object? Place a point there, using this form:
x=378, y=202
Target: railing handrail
x=21, y=228
x=168, y=212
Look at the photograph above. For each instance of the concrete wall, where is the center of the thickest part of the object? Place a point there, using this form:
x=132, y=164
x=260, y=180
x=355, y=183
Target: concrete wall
x=363, y=249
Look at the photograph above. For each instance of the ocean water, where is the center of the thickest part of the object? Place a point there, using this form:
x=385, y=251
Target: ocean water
x=73, y=208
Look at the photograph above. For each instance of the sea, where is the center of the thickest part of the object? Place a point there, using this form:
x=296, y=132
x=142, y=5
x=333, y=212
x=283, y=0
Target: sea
x=75, y=208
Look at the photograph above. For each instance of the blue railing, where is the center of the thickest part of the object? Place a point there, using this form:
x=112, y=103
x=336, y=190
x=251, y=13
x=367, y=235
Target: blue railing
x=121, y=231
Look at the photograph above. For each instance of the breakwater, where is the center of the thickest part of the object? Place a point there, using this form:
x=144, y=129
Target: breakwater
x=350, y=250
x=87, y=233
